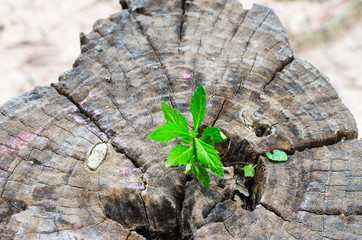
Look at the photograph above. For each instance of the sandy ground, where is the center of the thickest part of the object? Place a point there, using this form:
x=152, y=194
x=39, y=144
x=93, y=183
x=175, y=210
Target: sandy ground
x=39, y=39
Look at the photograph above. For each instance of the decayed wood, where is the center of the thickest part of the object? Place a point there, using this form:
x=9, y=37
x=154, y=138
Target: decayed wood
x=76, y=161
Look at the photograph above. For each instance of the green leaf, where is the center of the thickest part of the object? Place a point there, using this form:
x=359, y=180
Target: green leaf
x=179, y=155
x=170, y=114
x=249, y=170
x=212, y=135
x=198, y=107
x=186, y=140
x=209, y=157
x=277, y=155
x=168, y=132
x=173, y=116
x=202, y=175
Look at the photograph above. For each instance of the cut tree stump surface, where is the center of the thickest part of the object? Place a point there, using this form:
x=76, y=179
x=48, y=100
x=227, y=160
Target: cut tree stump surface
x=75, y=160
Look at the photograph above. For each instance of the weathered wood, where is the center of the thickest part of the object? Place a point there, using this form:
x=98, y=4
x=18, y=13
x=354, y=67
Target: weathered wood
x=315, y=195
x=103, y=109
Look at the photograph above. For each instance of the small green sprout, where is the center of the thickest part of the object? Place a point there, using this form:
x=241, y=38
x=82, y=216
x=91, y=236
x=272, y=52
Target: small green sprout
x=277, y=155
x=199, y=153
x=249, y=170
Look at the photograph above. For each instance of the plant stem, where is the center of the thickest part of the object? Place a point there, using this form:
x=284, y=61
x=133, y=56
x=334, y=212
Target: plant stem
x=193, y=155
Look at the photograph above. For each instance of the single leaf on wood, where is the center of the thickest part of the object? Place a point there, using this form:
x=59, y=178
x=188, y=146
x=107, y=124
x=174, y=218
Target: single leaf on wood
x=168, y=131
x=209, y=157
x=277, y=155
x=249, y=170
x=198, y=107
x=212, y=135
x=179, y=155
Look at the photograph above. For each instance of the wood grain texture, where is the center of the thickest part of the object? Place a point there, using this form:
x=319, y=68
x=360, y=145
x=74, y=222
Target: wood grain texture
x=259, y=95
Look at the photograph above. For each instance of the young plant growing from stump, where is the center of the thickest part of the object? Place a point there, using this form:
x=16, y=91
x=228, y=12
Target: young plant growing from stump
x=198, y=154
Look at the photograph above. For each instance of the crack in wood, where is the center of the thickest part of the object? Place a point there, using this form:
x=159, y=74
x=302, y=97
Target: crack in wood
x=124, y=45
x=245, y=12
x=217, y=17
x=241, y=82
x=228, y=231
x=146, y=213
x=121, y=114
x=281, y=68
x=163, y=67
x=123, y=151
x=218, y=114
x=81, y=110
x=247, y=44
x=275, y=211
x=129, y=234
x=128, y=86
x=100, y=129
x=183, y=7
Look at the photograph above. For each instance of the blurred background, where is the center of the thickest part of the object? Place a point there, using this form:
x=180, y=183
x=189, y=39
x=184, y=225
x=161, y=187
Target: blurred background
x=39, y=39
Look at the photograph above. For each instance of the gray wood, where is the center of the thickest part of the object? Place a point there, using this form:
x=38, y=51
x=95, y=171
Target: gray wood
x=103, y=109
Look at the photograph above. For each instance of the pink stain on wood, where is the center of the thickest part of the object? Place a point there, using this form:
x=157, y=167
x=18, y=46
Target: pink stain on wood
x=17, y=143
x=305, y=204
x=104, y=136
x=3, y=149
x=312, y=186
x=80, y=120
x=55, y=133
x=40, y=130
x=186, y=76
x=96, y=113
x=125, y=171
x=21, y=141
x=85, y=99
x=27, y=137
x=26, y=166
x=301, y=215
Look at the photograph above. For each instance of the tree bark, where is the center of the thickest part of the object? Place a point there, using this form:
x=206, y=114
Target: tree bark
x=75, y=160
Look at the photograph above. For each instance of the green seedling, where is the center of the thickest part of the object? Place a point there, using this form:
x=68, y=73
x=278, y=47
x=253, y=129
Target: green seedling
x=277, y=155
x=198, y=154
x=249, y=170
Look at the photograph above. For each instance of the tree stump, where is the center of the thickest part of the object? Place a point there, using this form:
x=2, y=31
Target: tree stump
x=76, y=162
